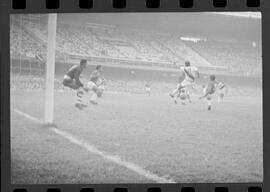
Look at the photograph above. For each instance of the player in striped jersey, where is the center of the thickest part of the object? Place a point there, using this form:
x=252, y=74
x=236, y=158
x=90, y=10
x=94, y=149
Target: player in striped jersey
x=222, y=89
x=188, y=75
x=96, y=84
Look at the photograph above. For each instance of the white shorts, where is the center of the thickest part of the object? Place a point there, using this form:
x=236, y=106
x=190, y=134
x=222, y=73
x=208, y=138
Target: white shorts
x=91, y=85
x=188, y=86
x=67, y=77
x=97, y=89
x=187, y=83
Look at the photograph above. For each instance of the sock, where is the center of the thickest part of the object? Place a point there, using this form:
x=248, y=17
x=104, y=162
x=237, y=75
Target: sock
x=188, y=97
x=209, y=104
x=80, y=94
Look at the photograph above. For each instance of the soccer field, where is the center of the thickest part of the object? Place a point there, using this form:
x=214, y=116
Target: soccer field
x=133, y=138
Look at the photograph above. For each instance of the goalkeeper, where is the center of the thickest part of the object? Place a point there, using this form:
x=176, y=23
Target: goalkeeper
x=72, y=80
x=72, y=77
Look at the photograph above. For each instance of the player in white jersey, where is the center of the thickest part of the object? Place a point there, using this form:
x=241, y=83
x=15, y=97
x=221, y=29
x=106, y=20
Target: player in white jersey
x=222, y=89
x=148, y=89
x=96, y=84
x=188, y=75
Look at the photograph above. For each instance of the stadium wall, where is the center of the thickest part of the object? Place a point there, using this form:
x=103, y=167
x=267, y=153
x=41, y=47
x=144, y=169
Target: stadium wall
x=116, y=71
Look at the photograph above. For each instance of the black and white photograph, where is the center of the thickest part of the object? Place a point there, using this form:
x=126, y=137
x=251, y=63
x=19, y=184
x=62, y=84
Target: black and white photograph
x=160, y=97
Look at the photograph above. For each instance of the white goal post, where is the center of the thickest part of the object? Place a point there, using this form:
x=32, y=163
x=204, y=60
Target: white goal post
x=50, y=70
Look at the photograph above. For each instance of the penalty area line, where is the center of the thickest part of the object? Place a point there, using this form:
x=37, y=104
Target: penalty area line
x=92, y=149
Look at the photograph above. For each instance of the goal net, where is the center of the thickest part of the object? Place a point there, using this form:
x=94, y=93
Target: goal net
x=32, y=60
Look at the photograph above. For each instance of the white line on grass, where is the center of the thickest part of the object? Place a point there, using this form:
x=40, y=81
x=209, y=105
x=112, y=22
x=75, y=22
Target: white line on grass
x=36, y=120
x=116, y=159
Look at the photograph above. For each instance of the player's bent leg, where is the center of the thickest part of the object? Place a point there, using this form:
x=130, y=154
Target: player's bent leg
x=221, y=97
x=187, y=85
x=188, y=97
x=177, y=96
x=176, y=90
x=74, y=86
x=80, y=94
x=78, y=103
x=94, y=90
x=68, y=82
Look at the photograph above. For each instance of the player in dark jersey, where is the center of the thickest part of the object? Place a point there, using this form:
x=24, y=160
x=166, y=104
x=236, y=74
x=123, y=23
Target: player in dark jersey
x=209, y=90
x=72, y=76
x=72, y=80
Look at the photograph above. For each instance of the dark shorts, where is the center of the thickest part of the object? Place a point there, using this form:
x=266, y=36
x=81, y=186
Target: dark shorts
x=69, y=82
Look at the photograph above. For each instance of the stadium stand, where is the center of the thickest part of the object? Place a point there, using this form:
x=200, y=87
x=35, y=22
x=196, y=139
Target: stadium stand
x=28, y=38
x=241, y=57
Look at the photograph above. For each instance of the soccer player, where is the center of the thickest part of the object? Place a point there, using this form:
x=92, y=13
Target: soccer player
x=96, y=84
x=221, y=90
x=148, y=89
x=188, y=75
x=72, y=80
x=209, y=90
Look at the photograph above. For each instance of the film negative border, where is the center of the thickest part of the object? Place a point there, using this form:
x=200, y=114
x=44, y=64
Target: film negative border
x=121, y=4
x=67, y=6
x=42, y=6
x=142, y=188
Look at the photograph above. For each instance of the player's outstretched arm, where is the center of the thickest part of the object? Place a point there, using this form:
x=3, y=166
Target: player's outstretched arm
x=102, y=82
